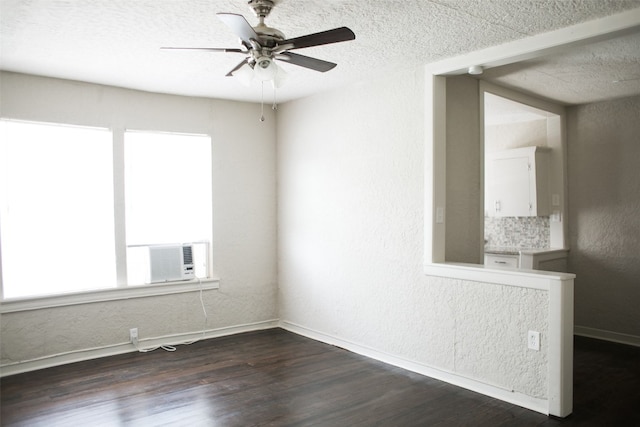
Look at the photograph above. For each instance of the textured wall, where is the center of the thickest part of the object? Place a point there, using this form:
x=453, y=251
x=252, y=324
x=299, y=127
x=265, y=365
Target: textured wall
x=244, y=241
x=604, y=202
x=351, y=239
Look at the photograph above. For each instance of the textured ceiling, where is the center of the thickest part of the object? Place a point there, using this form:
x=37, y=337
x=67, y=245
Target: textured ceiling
x=596, y=72
x=116, y=42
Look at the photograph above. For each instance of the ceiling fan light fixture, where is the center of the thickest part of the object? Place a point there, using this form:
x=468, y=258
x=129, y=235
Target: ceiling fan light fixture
x=265, y=69
x=280, y=78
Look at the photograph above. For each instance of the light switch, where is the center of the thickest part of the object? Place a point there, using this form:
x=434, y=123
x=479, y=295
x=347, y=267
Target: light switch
x=555, y=200
x=439, y=215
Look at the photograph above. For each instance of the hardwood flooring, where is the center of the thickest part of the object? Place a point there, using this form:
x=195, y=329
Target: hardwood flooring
x=276, y=378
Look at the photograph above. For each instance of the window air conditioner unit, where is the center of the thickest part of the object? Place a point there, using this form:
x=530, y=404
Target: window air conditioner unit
x=171, y=263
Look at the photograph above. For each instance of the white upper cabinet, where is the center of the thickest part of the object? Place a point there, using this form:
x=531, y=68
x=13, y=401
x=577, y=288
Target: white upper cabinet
x=517, y=182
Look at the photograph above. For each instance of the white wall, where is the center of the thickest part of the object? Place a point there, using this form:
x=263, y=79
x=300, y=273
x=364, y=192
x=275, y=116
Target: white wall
x=464, y=172
x=604, y=204
x=351, y=245
x=244, y=229
x=506, y=136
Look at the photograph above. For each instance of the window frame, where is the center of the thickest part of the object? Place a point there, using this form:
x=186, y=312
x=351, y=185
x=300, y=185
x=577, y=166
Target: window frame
x=122, y=215
x=121, y=289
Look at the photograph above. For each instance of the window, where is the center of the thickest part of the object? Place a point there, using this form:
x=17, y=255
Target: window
x=56, y=201
x=168, y=197
x=58, y=218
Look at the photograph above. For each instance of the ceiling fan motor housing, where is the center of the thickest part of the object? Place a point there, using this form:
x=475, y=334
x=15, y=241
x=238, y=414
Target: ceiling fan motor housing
x=269, y=37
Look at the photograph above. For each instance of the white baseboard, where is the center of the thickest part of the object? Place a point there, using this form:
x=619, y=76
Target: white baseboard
x=510, y=396
x=112, y=350
x=601, y=334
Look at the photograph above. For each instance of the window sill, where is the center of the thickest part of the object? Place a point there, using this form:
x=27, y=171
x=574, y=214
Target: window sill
x=112, y=294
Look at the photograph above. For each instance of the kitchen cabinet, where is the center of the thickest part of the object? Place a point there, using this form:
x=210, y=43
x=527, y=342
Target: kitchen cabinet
x=517, y=182
x=527, y=259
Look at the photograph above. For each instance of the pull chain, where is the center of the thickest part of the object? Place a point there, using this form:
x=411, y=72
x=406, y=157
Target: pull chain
x=262, y=104
x=274, y=107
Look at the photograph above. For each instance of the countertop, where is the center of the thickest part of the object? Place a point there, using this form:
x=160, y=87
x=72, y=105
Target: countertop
x=501, y=250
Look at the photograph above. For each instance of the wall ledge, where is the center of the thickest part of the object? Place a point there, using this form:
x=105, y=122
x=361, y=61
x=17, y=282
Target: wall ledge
x=532, y=279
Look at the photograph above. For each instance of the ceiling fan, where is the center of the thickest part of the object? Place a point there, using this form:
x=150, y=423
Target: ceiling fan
x=262, y=45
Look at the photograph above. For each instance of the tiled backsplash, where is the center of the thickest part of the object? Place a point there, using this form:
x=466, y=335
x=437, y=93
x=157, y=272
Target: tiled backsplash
x=520, y=232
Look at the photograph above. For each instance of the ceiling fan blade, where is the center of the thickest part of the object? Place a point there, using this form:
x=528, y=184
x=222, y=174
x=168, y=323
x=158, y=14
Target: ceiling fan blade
x=306, y=61
x=336, y=35
x=237, y=67
x=240, y=26
x=207, y=49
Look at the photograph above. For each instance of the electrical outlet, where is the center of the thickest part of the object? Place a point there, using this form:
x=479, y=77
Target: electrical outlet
x=533, y=340
x=133, y=335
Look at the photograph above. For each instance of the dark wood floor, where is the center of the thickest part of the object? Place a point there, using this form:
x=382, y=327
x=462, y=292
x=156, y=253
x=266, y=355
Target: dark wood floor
x=276, y=378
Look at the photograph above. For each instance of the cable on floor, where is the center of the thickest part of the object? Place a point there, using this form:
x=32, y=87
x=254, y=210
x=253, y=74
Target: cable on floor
x=166, y=347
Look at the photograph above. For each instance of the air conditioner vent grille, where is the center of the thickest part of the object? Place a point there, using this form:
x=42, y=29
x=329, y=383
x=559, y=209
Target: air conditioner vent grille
x=187, y=254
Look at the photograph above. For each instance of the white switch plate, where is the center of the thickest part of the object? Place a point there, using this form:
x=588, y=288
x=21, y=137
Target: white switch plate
x=555, y=200
x=533, y=340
